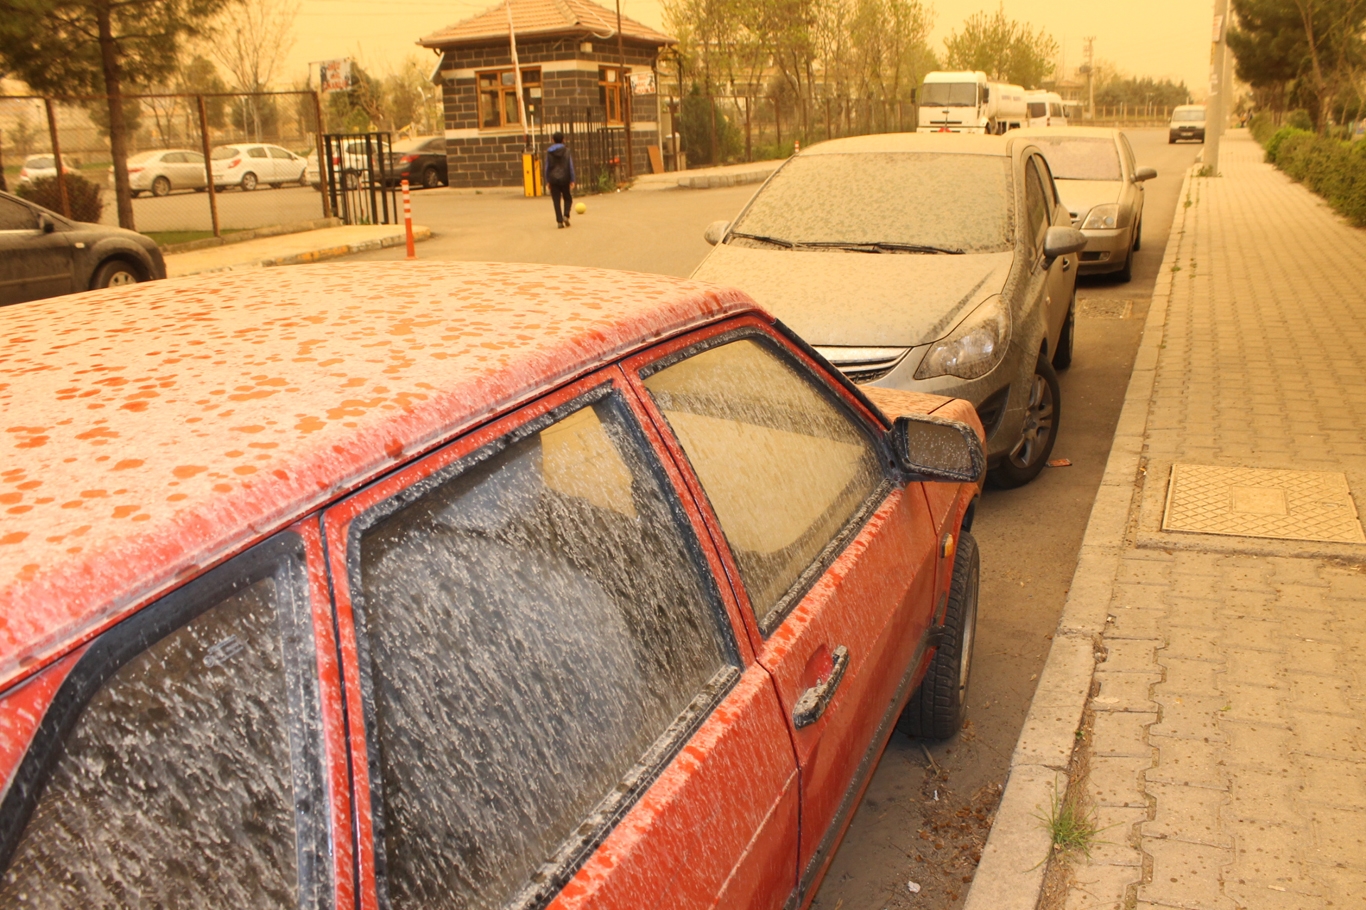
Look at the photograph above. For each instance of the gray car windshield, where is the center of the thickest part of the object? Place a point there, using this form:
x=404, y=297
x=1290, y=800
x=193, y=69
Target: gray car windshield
x=1081, y=159
x=941, y=202
x=949, y=94
x=1194, y=115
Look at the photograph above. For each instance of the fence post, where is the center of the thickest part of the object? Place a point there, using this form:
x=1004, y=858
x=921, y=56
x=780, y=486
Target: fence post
x=57, y=158
x=318, y=136
x=208, y=164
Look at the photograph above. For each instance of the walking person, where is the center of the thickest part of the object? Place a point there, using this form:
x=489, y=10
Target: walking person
x=559, y=176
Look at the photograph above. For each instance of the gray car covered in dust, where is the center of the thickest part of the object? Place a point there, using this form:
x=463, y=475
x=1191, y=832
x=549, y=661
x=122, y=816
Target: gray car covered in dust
x=940, y=263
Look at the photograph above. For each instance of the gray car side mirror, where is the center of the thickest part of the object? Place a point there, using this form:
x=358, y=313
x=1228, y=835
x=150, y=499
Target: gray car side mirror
x=716, y=232
x=936, y=449
x=1144, y=173
x=46, y=224
x=1059, y=241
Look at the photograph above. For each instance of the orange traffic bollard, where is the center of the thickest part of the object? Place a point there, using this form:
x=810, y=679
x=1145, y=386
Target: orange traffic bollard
x=408, y=220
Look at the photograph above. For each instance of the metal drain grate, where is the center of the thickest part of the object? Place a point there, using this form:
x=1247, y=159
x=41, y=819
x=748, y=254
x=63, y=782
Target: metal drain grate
x=1105, y=307
x=1256, y=502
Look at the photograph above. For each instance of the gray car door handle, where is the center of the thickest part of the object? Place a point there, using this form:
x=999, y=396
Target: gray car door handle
x=1066, y=264
x=814, y=700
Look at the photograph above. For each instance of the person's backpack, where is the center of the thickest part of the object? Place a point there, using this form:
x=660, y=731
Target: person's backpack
x=558, y=171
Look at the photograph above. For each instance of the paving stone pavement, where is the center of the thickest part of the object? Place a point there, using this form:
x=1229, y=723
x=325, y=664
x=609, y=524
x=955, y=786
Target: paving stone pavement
x=1227, y=754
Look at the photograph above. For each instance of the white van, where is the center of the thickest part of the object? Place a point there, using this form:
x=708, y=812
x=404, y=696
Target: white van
x=1188, y=122
x=1045, y=109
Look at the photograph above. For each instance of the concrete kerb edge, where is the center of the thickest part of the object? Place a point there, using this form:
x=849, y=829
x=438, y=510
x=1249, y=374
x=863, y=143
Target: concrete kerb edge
x=1011, y=873
x=318, y=255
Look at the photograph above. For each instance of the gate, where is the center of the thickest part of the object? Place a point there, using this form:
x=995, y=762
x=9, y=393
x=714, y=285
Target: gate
x=599, y=150
x=357, y=172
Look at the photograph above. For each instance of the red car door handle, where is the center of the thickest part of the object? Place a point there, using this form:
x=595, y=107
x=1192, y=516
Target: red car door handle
x=812, y=704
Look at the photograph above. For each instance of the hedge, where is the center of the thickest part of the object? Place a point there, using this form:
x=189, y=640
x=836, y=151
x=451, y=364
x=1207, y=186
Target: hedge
x=1334, y=169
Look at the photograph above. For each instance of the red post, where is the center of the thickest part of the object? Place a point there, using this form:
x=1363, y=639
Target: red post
x=408, y=219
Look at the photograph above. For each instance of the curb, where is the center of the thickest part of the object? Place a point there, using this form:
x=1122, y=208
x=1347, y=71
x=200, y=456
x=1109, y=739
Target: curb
x=712, y=181
x=318, y=255
x=1011, y=873
x=274, y=230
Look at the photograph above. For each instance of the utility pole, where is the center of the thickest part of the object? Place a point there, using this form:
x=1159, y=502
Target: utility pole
x=1216, y=111
x=1091, y=76
x=517, y=81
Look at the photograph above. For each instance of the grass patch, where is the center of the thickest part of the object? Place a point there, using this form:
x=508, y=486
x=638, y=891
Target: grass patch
x=165, y=238
x=1071, y=826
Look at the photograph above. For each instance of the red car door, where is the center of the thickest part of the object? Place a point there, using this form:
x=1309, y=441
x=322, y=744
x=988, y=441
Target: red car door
x=832, y=558
x=549, y=701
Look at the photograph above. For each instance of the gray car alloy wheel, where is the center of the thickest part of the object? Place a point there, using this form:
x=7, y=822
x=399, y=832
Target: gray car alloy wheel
x=161, y=187
x=1037, y=436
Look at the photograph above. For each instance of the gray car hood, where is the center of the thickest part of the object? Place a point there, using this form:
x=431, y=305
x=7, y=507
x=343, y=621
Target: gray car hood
x=860, y=299
x=1081, y=196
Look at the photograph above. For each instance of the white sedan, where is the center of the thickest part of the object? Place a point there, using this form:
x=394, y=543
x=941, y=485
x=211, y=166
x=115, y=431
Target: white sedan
x=250, y=164
x=162, y=170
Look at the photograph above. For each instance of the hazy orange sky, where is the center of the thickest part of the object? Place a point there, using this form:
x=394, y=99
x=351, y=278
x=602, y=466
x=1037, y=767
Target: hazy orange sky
x=1157, y=38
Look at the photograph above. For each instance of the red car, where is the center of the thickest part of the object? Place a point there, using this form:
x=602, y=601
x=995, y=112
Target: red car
x=396, y=585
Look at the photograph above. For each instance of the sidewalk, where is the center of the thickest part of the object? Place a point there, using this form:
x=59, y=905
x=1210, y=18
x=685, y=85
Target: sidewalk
x=704, y=178
x=1216, y=682
x=290, y=249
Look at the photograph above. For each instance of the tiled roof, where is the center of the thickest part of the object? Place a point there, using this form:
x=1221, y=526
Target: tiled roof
x=151, y=430
x=535, y=18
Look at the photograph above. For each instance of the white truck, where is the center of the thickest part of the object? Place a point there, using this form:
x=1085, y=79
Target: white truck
x=965, y=102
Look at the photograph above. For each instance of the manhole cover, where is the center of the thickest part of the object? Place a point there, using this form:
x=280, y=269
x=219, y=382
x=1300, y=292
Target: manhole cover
x=1255, y=502
x=1105, y=307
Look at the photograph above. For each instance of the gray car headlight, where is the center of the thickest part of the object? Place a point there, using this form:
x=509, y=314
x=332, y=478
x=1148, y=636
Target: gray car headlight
x=1102, y=217
x=974, y=348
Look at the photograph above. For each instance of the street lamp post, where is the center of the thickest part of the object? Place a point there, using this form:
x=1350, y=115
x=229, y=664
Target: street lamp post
x=1217, y=110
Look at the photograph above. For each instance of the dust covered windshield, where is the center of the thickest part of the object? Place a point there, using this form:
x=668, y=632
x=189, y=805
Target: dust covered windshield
x=1081, y=159
x=941, y=202
x=949, y=94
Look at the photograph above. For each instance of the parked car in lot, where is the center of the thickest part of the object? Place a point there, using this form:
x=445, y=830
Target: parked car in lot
x=38, y=166
x=503, y=585
x=1188, y=122
x=933, y=262
x=421, y=161
x=1101, y=184
x=160, y=171
x=43, y=254
x=248, y=165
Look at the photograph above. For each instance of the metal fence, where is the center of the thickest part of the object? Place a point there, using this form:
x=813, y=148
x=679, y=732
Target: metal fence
x=599, y=149
x=359, y=182
x=198, y=165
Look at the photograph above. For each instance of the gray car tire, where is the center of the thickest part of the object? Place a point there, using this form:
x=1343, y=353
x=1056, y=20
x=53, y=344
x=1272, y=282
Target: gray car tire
x=938, y=706
x=161, y=187
x=1039, y=431
x=114, y=273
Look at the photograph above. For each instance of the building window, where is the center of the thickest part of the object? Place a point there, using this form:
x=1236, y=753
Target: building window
x=612, y=91
x=498, y=97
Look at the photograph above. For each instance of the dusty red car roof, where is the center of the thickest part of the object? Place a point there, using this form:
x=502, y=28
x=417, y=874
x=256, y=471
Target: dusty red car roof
x=151, y=431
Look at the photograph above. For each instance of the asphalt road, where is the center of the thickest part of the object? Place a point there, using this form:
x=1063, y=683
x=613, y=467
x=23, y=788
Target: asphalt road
x=917, y=823
x=189, y=210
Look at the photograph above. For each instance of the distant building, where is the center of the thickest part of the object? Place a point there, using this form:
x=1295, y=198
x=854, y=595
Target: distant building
x=570, y=71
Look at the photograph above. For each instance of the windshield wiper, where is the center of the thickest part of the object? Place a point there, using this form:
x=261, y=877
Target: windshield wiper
x=880, y=246
x=776, y=241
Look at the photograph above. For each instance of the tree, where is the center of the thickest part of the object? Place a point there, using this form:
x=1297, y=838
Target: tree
x=253, y=39
x=100, y=47
x=1304, y=51
x=1006, y=50
x=1141, y=91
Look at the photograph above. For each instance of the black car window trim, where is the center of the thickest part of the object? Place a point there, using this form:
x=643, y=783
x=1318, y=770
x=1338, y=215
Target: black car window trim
x=564, y=864
x=281, y=557
x=804, y=582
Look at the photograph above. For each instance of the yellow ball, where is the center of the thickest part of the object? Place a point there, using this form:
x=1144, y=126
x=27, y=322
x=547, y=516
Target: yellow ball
x=580, y=208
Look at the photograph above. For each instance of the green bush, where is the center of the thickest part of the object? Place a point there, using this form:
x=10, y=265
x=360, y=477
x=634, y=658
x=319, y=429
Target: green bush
x=1262, y=126
x=84, y=195
x=1334, y=169
x=1278, y=138
x=1300, y=120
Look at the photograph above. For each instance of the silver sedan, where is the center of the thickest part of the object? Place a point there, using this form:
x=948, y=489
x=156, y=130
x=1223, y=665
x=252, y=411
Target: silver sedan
x=1102, y=186
x=162, y=170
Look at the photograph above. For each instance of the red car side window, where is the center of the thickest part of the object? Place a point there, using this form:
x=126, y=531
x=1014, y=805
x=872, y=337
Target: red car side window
x=170, y=764
x=540, y=636
x=785, y=468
